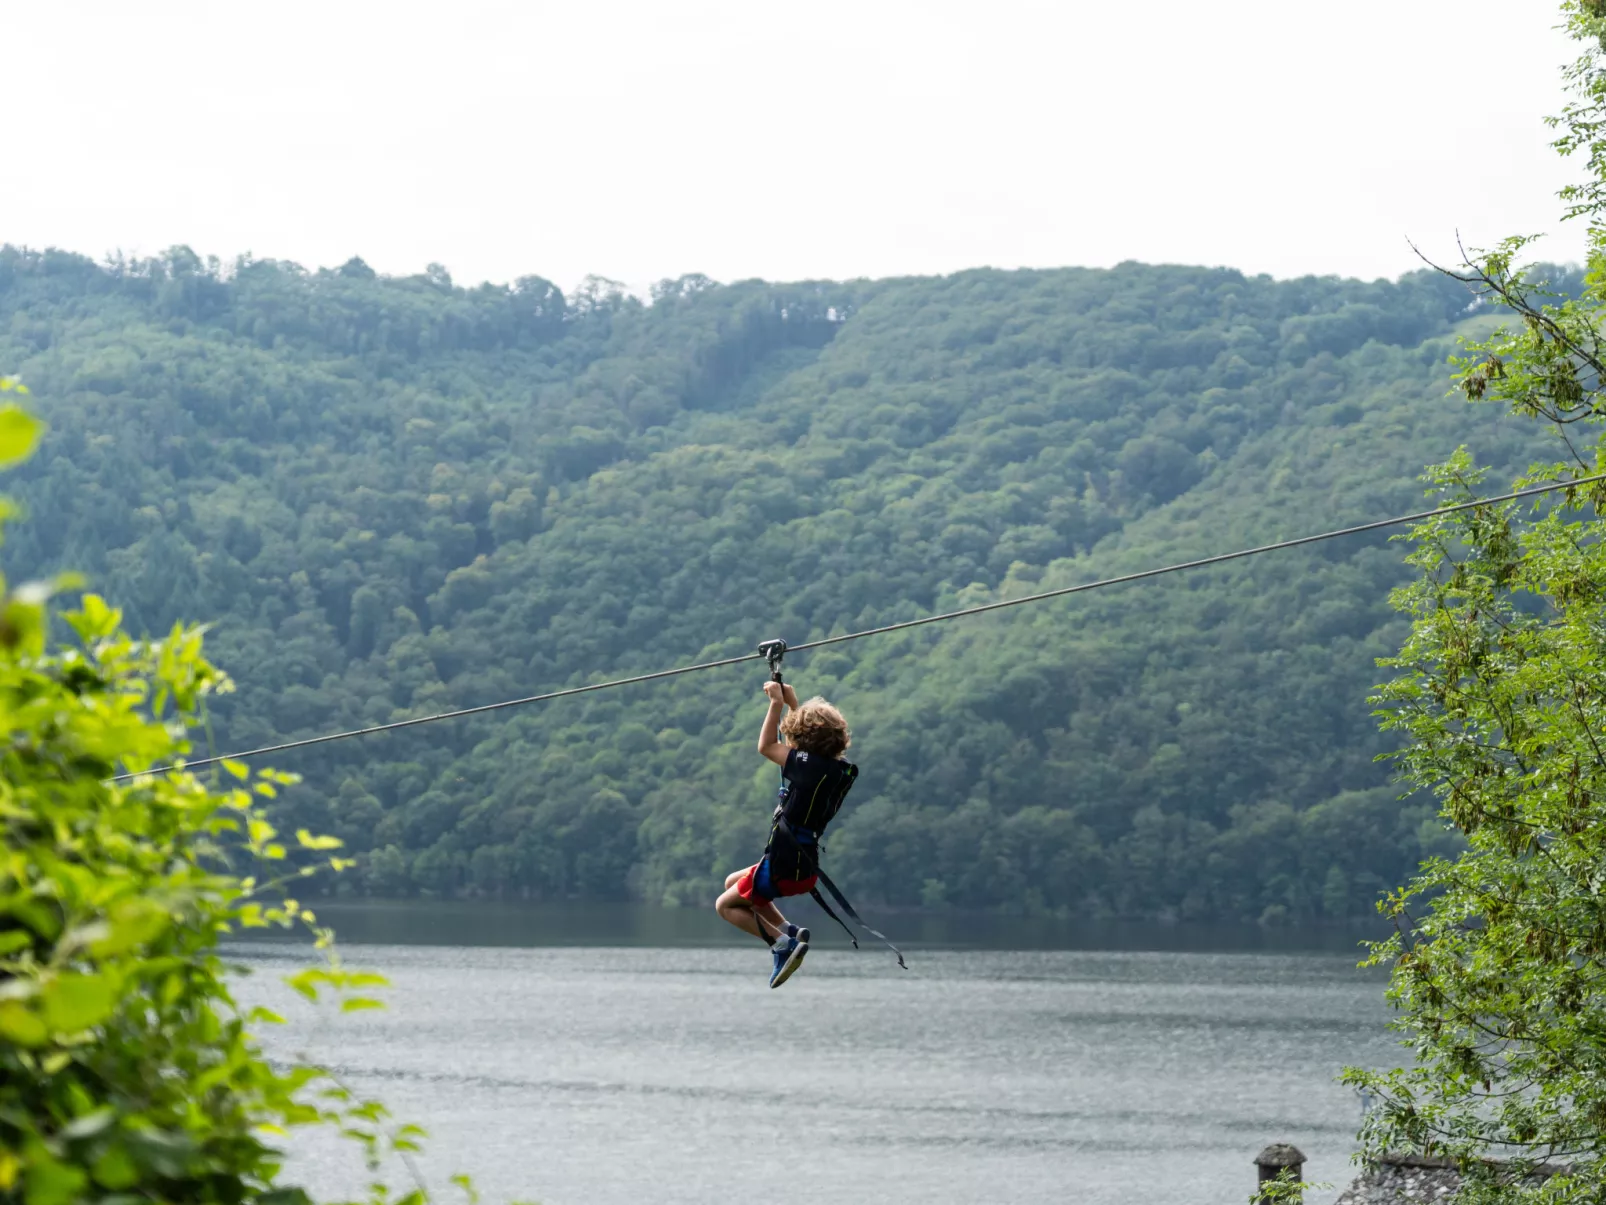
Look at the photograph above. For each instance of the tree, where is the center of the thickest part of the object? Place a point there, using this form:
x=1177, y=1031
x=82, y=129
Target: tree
x=127, y=1072
x=392, y=496
x=1498, y=963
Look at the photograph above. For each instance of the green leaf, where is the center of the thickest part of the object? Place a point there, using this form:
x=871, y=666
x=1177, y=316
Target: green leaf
x=94, y=620
x=308, y=841
x=49, y=1181
x=20, y=1024
x=115, y=1168
x=73, y=1003
x=132, y=924
x=360, y=1004
x=39, y=916
x=19, y=435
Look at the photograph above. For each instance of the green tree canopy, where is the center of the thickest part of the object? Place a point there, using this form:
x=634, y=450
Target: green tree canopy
x=395, y=496
x=1500, y=700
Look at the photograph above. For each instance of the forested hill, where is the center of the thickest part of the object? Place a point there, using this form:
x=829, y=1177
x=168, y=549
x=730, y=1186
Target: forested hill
x=395, y=496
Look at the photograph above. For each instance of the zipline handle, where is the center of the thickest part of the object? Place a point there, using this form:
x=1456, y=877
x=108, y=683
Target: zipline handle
x=772, y=651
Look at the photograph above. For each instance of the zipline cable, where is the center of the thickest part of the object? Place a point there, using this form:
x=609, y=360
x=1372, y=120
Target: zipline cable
x=1203, y=562
x=1199, y=564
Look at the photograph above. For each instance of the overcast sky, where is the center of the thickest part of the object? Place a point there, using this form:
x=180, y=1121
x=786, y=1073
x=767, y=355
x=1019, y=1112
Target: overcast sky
x=642, y=139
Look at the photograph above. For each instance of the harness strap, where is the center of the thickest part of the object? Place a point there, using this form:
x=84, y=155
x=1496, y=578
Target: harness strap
x=826, y=908
x=842, y=902
x=763, y=929
x=809, y=838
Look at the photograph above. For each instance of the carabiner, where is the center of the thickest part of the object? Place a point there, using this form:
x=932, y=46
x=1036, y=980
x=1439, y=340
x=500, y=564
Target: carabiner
x=772, y=651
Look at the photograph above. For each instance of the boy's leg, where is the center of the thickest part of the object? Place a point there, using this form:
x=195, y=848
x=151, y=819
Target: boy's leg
x=774, y=922
x=759, y=916
x=741, y=912
x=733, y=909
x=789, y=950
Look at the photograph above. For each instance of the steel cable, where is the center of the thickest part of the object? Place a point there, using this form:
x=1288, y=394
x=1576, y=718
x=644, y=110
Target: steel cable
x=982, y=608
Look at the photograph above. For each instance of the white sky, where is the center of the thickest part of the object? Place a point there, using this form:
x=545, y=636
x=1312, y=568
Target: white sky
x=642, y=139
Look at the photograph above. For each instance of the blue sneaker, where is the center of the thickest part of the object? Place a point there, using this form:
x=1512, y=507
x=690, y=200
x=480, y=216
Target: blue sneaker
x=790, y=956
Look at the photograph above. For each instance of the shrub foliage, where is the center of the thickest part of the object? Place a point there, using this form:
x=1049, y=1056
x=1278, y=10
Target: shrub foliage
x=127, y=1070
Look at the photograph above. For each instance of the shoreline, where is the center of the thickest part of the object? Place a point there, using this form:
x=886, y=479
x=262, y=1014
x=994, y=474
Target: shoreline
x=372, y=921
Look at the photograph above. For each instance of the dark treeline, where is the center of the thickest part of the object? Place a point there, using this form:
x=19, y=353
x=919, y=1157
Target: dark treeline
x=394, y=496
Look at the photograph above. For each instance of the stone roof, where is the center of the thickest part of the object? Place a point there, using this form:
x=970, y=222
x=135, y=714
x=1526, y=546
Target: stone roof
x=1412, y=1180
x=1403, y=1180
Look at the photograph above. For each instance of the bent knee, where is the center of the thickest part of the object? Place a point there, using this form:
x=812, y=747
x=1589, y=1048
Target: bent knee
x=730, y=879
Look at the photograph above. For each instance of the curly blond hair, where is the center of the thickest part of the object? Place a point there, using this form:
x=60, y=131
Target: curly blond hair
x=818, y=728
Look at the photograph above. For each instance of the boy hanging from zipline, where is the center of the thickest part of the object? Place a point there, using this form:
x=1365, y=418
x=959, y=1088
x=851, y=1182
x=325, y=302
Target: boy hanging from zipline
x=808, y=746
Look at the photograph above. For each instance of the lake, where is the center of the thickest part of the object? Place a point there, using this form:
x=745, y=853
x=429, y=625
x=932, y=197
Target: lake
x=580, y=1056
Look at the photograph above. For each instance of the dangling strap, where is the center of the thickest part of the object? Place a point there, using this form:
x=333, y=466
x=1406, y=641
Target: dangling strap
x=842, y=902
x=763, y=932
x=826, y=908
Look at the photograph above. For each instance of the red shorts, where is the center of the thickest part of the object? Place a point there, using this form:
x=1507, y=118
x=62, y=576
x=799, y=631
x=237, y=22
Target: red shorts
x=756, y=880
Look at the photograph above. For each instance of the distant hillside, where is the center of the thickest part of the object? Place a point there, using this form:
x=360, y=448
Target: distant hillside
x=395, y=496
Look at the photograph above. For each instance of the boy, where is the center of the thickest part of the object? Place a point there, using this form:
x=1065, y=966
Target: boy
x=814, y=781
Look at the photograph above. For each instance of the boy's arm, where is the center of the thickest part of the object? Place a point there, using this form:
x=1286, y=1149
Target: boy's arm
x=770, y=744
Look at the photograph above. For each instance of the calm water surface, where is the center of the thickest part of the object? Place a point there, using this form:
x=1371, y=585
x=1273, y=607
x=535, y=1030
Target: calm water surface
x=628, y=1072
